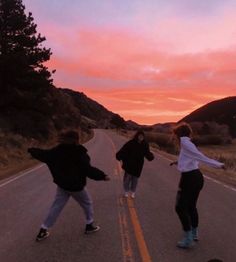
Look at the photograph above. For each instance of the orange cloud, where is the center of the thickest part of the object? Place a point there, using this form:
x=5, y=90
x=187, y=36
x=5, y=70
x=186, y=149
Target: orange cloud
x=153, y=105
x=134, y=77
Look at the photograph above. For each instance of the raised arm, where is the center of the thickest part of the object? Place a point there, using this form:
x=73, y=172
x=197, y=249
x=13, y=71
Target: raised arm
x=192, y=151
x=96, y=174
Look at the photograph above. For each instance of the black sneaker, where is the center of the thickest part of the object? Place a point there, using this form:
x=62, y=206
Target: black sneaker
x=43, y=233
x=90, y=228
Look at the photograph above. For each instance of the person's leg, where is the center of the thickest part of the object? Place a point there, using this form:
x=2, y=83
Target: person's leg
x=126, y=182
x=85, y=201
x=193, y=212
x=181, y=208
x=192, y=209
x=58, y=204
x=134, y=183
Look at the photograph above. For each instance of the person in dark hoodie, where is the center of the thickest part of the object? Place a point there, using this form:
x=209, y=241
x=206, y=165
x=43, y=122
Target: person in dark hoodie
x=132, y=156
x=69, y=165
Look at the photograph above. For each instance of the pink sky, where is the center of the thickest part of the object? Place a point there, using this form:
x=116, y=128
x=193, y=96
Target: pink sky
x=149, y=63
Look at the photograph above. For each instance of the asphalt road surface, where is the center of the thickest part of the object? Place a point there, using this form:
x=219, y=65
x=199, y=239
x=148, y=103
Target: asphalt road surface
x=144, y=229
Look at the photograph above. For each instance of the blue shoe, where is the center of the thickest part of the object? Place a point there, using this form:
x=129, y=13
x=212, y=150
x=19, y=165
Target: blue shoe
x=195, y=234
x=187, y=241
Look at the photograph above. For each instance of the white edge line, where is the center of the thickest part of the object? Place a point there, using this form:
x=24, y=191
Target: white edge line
x=27, y=172
x=22, y=175
x=220, y=183
x=207, y=177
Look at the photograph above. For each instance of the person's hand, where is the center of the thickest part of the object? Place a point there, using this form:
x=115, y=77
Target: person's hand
x=107, y=178
x=173, y=163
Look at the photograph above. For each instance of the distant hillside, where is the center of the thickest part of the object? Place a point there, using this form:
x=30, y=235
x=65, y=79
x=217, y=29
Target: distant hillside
x=91, y=109
x=163, y=128
x=132, y=125
x=221, y=111
x=35, y=116
x=37, y=113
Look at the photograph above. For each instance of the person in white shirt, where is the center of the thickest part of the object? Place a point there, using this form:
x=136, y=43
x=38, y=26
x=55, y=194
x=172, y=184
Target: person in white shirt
x=190, y=184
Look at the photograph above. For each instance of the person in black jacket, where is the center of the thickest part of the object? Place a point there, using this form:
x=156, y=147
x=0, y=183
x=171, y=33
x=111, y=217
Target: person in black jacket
x=132, y=156
x=69, y=164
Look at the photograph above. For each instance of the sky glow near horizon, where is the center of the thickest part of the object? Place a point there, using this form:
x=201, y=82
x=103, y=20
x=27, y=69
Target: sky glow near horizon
x=150, y=61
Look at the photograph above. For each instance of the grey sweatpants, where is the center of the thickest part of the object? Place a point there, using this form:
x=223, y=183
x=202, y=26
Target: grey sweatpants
x=61, y=198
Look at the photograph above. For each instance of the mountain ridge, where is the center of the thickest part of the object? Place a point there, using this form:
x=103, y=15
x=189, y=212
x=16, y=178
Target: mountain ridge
x=221, y=111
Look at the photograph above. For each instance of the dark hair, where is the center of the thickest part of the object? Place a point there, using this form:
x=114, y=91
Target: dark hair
x=69, y=137
x=183, y=129
x=138, y=133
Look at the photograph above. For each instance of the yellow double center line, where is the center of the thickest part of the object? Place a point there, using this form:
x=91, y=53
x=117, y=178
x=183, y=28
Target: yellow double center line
x=127, y=250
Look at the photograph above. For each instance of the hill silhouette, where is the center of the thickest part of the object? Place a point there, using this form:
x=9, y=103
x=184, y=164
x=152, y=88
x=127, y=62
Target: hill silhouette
x=38, y=115
x=221, y=111
x=41, y=113
x=90, y=109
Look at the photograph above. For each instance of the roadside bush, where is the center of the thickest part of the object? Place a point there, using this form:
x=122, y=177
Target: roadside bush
x=210, y=128
x=211, y=140
x=229, y=160
x=163, y=141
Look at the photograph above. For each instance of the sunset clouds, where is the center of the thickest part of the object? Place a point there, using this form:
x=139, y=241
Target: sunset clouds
x=148, y=62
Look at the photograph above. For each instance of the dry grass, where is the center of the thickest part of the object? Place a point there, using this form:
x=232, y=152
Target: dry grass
x=13, y=152
x=225, y=154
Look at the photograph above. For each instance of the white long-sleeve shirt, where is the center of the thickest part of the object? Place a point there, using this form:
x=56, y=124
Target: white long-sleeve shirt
x=190, y=157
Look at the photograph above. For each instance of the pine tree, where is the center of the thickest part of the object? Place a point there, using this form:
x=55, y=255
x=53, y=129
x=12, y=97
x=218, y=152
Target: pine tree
x=22, y=55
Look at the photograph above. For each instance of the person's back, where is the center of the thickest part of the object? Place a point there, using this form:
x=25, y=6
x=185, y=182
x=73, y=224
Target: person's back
x=69, y=164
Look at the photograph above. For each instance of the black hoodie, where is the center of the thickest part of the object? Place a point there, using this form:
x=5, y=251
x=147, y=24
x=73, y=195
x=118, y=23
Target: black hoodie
x=69, y=165
x=132, y=156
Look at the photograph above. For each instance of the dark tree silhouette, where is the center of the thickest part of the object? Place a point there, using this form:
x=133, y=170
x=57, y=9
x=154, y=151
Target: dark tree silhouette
x=22, y=55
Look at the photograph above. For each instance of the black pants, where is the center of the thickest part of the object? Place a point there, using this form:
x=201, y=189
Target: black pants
x=190, y=186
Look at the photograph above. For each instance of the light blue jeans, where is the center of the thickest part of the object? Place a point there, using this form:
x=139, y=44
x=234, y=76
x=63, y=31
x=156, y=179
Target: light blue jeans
x=130, y=183
x=61, y=198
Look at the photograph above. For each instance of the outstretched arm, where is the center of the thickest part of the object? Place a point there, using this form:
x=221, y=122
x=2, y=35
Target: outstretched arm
x=148, y=154
x=96, y=174
x=193, y=152
x=90, y=171
x=40, y=154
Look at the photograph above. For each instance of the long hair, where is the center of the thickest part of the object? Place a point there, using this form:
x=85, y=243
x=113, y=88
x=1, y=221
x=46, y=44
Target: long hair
x=139, y=132
x=183, y=129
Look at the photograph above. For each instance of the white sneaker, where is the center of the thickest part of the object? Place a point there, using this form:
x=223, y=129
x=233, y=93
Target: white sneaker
x=133, y=195
x=126, y=194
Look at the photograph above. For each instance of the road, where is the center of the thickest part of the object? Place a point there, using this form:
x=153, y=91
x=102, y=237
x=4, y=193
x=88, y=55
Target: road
x=144, y=229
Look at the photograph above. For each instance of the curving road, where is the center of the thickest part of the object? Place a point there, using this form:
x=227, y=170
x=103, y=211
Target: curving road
x=145, y=229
